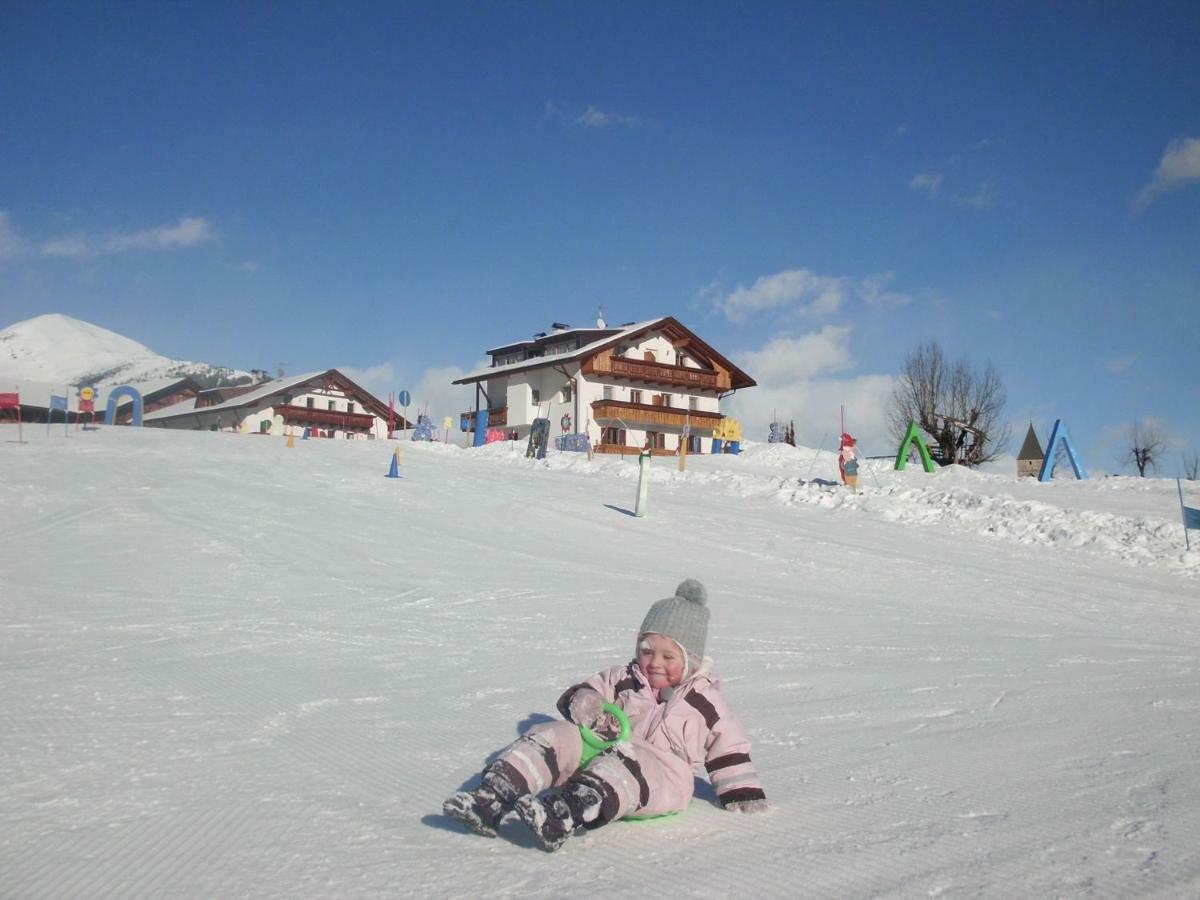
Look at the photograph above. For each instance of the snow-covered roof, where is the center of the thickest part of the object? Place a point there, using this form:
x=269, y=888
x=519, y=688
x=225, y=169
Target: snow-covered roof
x=37, y=393
x=552, y=336
x=250, y=398
x=609, y=336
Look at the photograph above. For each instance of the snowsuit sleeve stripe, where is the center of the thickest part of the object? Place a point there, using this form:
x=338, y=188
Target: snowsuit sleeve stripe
x=702, y=703
x=742, y=794
x=729, y=759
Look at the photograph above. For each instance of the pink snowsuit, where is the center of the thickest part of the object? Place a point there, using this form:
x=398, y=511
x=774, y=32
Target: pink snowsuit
x=652, y=773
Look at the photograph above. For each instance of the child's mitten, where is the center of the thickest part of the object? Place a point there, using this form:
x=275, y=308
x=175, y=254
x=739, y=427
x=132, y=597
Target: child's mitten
x=748, y=806
x=585, y=707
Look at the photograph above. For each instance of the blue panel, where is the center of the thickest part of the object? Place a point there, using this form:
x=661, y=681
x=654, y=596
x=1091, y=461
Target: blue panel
x=110, y=413
x=481, y=422
x=1058, y=434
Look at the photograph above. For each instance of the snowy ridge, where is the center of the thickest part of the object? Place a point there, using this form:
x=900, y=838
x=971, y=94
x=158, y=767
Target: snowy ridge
x=1093, y=515
x=58, y=349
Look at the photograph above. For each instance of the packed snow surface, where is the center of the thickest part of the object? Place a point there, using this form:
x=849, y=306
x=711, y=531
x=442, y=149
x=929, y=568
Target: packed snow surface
x=229, y=668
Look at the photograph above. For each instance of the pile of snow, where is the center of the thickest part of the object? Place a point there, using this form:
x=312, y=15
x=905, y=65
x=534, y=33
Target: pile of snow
x=60, y=350
x=236, y=669
x=1135, y=520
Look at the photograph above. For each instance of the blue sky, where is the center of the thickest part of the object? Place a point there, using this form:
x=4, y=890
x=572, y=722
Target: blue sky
x=813, y=188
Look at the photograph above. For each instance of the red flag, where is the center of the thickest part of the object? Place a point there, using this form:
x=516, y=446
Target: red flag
x=10, y=401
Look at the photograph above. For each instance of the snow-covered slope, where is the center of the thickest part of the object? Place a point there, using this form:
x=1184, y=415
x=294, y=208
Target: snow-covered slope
x=58, y=349
x=235, y=669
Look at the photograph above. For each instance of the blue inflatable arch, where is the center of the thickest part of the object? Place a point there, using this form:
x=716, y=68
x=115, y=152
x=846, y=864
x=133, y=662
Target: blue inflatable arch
x=110, y=413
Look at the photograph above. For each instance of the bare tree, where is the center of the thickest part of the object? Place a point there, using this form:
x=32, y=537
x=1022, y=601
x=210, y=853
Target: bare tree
x=956, y=406
x=1191, y=465
x=1145, y=445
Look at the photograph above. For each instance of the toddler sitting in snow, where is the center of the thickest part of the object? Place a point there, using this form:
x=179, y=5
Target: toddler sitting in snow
x=678, y=721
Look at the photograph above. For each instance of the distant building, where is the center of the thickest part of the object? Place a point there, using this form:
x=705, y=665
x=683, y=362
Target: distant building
x=625, y=387
x=327, y=403
x=1029, y=460
x=35, y=399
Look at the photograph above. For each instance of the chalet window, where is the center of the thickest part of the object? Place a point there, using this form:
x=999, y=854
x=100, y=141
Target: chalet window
x=611, y=434
x=608, y=392
x=656, y=400
x=681, y=359
x=693, y=443
x=333, y=404
x=666, y=400
x=349, y=407
x=656, y=440
x=566, y=392
x=635, y=396
x=537, y=396
x=693, y=402
x=648, y=356
x=310, y=402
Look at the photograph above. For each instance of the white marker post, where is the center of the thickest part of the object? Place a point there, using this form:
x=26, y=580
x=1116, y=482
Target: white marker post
x=639, y=508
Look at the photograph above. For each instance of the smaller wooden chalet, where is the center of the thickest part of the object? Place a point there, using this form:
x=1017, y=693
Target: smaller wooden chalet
x=650, y=383
x=156, y=394
x=1029, y=460
x=327, y=403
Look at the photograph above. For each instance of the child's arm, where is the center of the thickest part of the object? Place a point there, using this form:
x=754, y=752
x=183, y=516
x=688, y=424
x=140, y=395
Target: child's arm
x=727, y=756
x=601, y=688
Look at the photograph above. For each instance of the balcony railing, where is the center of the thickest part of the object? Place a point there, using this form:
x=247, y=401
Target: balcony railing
x=497, y=418
x=344, y=420
x=661, y=416
x=656, y=373
x=624, y=450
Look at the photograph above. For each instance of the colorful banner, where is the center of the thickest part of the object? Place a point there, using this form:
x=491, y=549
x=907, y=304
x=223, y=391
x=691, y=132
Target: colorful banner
x=10, y=401
x=57, y=402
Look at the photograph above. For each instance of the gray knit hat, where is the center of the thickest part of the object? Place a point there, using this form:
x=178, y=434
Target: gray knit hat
x=683, y=618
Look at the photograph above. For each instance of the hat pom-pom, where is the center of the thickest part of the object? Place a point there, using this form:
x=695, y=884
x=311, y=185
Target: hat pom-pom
x=691, y=589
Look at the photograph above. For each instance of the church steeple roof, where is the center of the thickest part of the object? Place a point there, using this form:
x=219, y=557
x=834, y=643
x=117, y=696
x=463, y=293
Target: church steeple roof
x=1031, y=449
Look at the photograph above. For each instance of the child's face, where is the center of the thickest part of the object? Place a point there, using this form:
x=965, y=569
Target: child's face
x=660, y=660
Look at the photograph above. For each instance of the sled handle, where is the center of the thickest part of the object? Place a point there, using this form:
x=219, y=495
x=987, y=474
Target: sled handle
x=593, y=744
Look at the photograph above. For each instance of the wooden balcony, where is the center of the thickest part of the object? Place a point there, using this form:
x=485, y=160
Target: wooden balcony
x=347, y=421
x=656, y=373
x=497, y=418
x=654, y=417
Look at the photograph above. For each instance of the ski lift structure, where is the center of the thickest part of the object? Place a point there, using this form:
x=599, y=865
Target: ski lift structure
x=967, y=440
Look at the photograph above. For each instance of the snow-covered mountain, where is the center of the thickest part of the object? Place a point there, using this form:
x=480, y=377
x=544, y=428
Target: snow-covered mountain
x=58, y=349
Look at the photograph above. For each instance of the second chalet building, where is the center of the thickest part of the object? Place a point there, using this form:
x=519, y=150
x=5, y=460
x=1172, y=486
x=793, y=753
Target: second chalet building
x=623, y=387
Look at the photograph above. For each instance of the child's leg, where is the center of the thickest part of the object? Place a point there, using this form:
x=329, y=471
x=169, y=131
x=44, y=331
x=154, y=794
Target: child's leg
x=617, y=783
x=545, y=756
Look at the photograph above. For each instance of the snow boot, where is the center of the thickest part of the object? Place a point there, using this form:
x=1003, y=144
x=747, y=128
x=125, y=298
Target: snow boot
x=549, y=818
x=482, y=809
x=481, y=814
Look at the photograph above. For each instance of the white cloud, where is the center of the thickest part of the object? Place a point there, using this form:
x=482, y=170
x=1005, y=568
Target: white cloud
x=1179, y=165
x=11, y=243
x=1121, y=365
x=800, y=289
x=873, y=291
x=805, y=293
x=983, y=198
x=797, y=382
x=187, y=232
x=785, y=359
x=432, y=391
x=929, y=182
x=595, y=118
